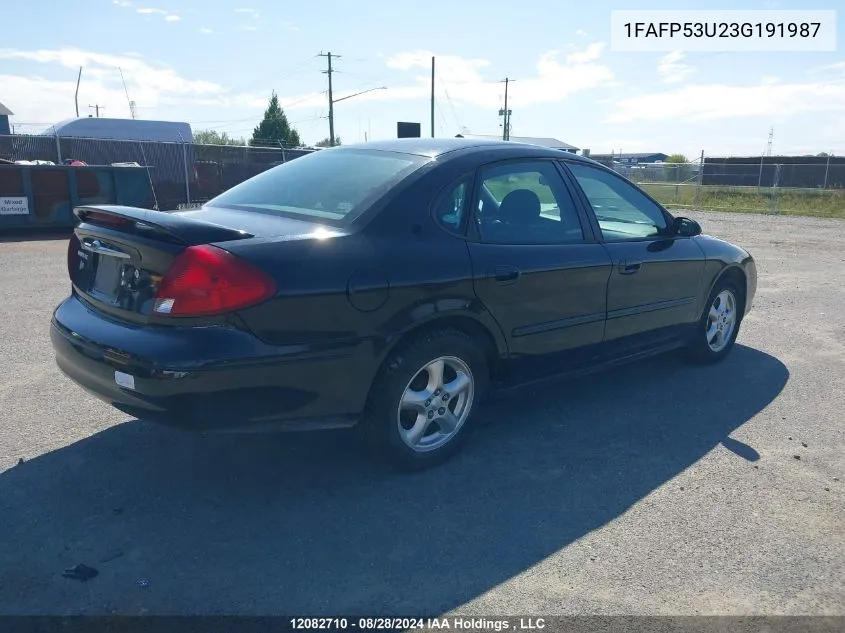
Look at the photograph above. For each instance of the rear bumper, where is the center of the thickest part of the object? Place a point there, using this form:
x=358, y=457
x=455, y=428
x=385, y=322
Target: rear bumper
x=209, y=379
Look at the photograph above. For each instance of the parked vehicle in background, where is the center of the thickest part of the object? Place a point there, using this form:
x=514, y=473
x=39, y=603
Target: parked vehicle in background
x=122, y=130
x=388, y=286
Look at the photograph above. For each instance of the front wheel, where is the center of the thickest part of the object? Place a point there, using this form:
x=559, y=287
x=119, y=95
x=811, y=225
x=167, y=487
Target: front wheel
x=716, y=331
x=421, y=402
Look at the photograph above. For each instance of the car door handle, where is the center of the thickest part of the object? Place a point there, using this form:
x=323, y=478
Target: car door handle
x=506, y=273
x=629, y=267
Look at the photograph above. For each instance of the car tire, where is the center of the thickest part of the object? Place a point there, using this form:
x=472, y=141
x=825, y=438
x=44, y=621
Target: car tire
x=411, y=420
x=717, y=329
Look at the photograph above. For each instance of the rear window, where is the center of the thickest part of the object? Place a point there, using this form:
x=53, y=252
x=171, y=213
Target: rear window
x=332, y=185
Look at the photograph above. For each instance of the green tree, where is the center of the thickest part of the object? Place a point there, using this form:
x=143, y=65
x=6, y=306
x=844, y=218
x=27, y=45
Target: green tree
x=213, y=137
x=274, y=128
x=678, y=168
x=326, y=142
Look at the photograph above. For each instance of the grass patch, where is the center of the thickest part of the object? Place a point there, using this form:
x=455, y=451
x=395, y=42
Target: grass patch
x=825, y=203
x=819, y=203
x=500, y=187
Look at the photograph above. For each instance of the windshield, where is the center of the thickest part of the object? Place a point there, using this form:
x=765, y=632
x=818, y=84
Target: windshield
x=332, y=185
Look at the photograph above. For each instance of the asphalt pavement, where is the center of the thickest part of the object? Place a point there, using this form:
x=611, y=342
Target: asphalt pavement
x=655, y=488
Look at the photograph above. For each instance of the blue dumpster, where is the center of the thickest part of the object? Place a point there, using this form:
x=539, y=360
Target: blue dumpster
x=44, y=196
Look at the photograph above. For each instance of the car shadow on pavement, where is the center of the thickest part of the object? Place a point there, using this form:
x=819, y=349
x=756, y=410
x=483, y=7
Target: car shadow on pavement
x=300, y=524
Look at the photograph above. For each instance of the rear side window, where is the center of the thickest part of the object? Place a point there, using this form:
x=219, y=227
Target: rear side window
x=333, y=185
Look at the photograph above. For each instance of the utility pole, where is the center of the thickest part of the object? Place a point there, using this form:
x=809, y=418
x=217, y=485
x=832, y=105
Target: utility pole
x=700, y=181
x=126, y=90
x=506, y=133
x=96, y=107
x=76, y=95
x=827, y=169
x=432, y=96
x=328, y=72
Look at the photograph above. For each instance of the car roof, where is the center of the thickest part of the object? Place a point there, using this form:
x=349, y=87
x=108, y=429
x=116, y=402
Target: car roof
x=439, y=147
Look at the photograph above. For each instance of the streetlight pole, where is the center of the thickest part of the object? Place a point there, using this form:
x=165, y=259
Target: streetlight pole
x=331, y=108
x=359, y=93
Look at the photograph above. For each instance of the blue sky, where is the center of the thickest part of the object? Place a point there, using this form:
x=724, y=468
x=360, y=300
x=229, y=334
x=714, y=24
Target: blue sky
x=214, y=65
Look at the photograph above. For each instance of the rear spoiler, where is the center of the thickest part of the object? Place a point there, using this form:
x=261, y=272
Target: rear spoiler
x=176, y=227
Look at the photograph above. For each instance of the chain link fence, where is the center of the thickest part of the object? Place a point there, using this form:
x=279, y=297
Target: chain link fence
x=181, y=175
x=792, y=185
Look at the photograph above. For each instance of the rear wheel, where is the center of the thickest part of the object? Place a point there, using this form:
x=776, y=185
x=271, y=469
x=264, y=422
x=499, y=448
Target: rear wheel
x=422, y=400
x=718, y=327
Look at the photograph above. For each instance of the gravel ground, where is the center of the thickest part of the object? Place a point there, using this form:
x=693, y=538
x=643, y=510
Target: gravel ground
x=656, y=488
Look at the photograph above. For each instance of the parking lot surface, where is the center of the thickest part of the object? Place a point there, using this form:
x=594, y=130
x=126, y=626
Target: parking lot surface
x=656, y=488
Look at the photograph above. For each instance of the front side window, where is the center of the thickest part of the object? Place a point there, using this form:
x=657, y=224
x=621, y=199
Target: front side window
x=623, y=211
x=526, y=203
x=332, y=185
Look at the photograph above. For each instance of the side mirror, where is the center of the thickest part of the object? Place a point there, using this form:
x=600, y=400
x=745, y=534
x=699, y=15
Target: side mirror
x=686, y=227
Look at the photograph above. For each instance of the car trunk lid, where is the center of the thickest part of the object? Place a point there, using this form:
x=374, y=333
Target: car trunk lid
x=119, y=255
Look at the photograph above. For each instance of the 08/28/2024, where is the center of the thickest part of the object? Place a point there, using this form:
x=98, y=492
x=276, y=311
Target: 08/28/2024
x=361, y=624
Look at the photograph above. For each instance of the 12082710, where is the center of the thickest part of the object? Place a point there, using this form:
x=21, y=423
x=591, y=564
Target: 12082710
x=329, y=624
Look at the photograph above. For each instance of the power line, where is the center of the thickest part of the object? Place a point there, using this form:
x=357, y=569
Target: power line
x=126, y=90
x=259, y=116
x=293, y=70
x=451, y=105
x=443, y=124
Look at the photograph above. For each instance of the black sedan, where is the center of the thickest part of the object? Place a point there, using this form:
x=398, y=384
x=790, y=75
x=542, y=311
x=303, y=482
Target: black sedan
x=388, y=286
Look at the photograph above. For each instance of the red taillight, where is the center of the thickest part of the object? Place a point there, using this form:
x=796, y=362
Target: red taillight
x=106, y=219
x=206, y=280
x=73, y=247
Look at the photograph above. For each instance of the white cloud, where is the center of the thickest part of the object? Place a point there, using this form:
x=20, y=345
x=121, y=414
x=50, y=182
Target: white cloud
x=451, y=69
x=249, y=27
x=672, y=70
x=168, y=16
x=39, y=100
x=289, y=26
x=251, y=12
x=617, y=144
x=581, y=33
x=836, y=67
x=554, y=80
x=206, y=31
x=160, y=90
x=590, y=54
x=721, y=101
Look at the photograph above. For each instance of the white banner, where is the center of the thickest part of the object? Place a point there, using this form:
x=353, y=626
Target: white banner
x=14, y=205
